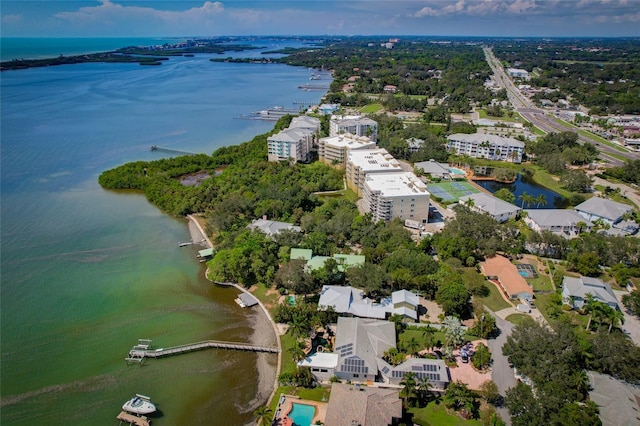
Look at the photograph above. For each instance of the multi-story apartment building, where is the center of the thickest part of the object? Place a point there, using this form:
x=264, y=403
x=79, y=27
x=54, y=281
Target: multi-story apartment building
x=354, y=124
x=492, y=147
x=395, y=195
x=333, y=149
x=291, y=144
x=364, y=161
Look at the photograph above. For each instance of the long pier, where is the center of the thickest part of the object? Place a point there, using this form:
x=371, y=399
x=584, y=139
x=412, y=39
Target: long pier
x=171, y=151
x=139, y=352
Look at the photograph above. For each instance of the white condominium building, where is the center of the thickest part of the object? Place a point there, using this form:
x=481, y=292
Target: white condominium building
x=333, y=149
x=365, y=161
x=354, y=124
x=395, y=195
x=291, y=144
x=491, y=147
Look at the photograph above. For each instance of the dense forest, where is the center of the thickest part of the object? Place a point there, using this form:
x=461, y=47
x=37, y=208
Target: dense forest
x=454, y=71
x=602, y=75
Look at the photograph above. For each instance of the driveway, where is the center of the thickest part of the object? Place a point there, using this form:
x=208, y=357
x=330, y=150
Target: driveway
x=501, y=373
x=631, y=322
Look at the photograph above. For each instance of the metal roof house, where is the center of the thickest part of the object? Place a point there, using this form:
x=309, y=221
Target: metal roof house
x=434, y=169
x=433, y=369
x=359, y=343
x=272, y=227
x=595, y=208
x=351, y=301
x=575, y=290
x=559, y=221
x=498, y=209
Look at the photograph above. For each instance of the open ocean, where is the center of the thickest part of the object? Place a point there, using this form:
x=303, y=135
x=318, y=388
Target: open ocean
x=86, y=272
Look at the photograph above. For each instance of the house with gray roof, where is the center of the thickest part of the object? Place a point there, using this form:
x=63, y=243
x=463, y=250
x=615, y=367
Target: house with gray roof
x=351, y=301
x=414, y=144
x=575, y=290
x=291, y=144
x=610, y=212
x=498, y=209
x=359, y=343
x=435, y=370
x=354, y=405
x=272, y=227
x=434, y=169
x=559, y=221
x=321, y=364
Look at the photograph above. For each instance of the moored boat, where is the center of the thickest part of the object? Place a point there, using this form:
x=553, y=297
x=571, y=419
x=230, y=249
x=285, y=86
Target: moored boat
x=139, y=404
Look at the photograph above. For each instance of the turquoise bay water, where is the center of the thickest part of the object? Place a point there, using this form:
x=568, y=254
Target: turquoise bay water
x=86, y=272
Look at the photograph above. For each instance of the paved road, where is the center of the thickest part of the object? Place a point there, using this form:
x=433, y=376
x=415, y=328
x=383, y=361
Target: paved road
x=501, y=373
x=537, y=116
x=632, y=193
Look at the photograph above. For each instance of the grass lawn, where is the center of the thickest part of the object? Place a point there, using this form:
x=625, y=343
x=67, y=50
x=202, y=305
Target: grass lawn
x=371, y=108
x=494, y=301
x=542, y=177
x=517, y=318
x=542, y=283
x=513, y=119
x=438, y=336
x=435, y=414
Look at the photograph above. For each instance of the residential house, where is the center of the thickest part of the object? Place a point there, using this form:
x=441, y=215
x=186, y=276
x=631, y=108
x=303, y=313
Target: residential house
x=355, y=124
x=414, y=144
x=401, y=195
x=321, y=364
x=434, y=169
x=359, y=343
x=272, y=227
x=333, y=150
x=492, y=147
x=575, y=290
x=610, y=212
x=354, y=405
x=364, y=161
x=328, y=109
x=559, y=221
x=500, y=269
x=498, y=209
x=435, y=370
x=348, y=300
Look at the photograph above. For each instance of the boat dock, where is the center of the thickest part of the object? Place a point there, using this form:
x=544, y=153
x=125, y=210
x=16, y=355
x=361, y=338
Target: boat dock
x=132, y=420
x=139, y=352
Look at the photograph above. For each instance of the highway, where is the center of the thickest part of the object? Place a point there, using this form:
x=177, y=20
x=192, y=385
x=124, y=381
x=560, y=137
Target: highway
x=538, y=118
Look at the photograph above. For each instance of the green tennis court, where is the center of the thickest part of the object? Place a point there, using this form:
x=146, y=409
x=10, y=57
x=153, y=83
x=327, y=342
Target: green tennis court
x=451, y=191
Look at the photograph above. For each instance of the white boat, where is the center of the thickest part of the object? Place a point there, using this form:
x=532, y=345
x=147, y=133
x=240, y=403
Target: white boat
x=139, y=404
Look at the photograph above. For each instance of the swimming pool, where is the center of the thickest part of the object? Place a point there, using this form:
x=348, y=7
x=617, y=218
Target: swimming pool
x=455, y=171
x=302, y=414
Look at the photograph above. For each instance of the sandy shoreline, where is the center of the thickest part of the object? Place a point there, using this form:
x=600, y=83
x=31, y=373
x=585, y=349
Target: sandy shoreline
x=265, y=333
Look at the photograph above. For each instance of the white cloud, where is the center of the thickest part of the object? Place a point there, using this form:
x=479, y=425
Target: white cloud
x=11, y=19
x=109, y=12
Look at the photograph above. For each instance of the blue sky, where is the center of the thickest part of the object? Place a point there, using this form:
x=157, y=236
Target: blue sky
x=124, y=18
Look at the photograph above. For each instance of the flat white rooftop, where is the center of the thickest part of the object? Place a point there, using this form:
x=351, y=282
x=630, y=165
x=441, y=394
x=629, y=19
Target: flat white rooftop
x=373, y=160
x=396, y=184
x=348, y=141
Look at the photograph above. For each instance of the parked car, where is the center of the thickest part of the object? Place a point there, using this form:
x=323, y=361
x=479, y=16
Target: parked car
x=464, y=356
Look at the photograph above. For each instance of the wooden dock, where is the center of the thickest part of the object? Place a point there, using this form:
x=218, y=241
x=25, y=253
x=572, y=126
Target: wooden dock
x=132, y=420
x=138, y=353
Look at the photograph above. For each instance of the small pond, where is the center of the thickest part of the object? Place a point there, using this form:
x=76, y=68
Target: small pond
x=526, y=184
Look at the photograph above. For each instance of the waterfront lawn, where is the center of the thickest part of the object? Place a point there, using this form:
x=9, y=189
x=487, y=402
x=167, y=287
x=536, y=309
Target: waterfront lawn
x=435, y=414
x=288, y=365
x=542, y=177
x=494, y=300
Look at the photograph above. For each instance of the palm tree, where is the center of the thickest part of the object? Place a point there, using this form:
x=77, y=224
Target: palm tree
x=408, y=391
x=524, y=197
x=428, y=334
x=297, y=352
x=413, y=345
x=264, y=415
x=580, y=381
x=615, y=318
x=298, y=325
x=424, y=389
x=581, y=226
x=541, y=199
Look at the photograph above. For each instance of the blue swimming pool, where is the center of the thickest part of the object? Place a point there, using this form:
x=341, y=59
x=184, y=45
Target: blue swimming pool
x=302, y=414
x=455, y=171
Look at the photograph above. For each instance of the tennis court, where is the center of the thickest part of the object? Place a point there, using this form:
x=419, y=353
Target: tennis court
x=451, y=191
